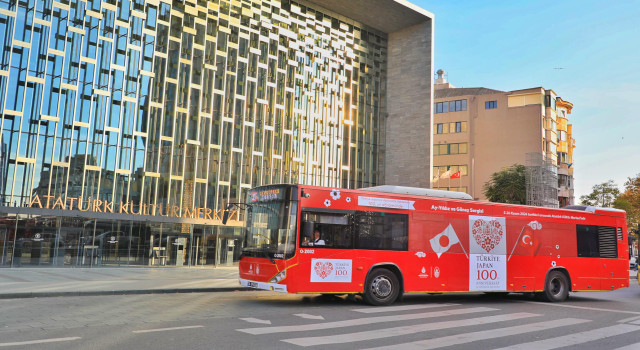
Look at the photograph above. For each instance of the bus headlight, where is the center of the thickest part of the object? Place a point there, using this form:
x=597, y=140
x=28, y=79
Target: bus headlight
x=279, y=277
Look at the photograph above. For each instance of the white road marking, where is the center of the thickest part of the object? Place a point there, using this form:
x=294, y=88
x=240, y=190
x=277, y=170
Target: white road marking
x=362, y=321
x=464, y=338
x=635, y=346
x=41, y=341
x=166, y=329
x=582, y=307
x=576, y=338
x=310, y=317
x=630, y=319
x=256, y=320
x=404, y=330
x=377, y=309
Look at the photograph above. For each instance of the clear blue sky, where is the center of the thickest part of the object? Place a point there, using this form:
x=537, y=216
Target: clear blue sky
x=510, y=45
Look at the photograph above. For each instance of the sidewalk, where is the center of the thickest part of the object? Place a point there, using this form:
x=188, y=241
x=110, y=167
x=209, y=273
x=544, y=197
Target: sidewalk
x=49, y=282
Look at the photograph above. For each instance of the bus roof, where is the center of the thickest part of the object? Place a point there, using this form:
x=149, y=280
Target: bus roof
x=416, y=191
x=592, y=209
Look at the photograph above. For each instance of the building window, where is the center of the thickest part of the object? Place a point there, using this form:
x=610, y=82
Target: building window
x=562, y=135
x=439, y=171
x=451, y=148
x=563, y=158
x=460, y=105
x=564, y=181
x=442, y=107
x=549, y=102
x=451, y=106
x=491, y=105
x=453, y=127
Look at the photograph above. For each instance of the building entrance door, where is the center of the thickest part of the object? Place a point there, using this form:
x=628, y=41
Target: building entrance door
x=34, y=245
x=203, y=246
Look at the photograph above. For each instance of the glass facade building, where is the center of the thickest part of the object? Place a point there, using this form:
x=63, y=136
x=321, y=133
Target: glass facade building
x=128, y=125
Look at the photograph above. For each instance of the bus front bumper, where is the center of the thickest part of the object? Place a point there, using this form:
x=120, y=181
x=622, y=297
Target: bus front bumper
x=281, y=288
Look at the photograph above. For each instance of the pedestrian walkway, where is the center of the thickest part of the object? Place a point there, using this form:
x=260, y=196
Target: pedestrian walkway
x=436, y=325
x=46, y=282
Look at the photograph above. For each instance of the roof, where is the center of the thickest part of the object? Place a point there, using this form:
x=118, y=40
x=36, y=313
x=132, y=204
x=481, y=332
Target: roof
x=418, y=191
x=387, y=16
x=444, y=93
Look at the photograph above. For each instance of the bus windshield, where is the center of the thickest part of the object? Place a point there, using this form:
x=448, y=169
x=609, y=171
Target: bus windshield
x=271, y=223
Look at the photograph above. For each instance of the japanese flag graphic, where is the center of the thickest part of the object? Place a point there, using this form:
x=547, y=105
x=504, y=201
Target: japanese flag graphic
x=444, y=240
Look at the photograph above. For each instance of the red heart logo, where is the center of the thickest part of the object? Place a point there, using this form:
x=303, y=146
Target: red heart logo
x=323, y=269
x=487, y=234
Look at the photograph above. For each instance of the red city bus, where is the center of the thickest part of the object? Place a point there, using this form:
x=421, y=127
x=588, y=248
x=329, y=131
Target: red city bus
x=384, y=241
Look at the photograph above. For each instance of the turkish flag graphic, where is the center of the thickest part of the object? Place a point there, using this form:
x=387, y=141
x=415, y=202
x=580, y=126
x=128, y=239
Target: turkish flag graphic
x=527, y=243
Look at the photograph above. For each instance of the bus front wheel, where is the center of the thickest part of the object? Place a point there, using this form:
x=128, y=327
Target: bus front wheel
x=382, y=287
x=556, y=288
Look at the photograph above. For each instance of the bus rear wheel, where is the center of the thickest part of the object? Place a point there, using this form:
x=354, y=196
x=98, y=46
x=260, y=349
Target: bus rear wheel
x=556, y=288
x=382, y=287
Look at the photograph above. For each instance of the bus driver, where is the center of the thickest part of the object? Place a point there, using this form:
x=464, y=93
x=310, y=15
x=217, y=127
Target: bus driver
x=316, y=238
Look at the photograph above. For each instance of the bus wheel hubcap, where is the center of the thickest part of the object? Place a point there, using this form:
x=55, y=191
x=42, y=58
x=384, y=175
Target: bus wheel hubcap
x=381, y=287
x=556, y=287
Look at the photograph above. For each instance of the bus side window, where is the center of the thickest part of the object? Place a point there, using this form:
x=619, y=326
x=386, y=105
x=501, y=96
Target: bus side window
x=587, y=238
x=597, y=241
x=307, y=231
x=381, y=231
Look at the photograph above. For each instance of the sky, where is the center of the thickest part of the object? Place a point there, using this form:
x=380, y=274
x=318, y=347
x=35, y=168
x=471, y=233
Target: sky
x=587, y=51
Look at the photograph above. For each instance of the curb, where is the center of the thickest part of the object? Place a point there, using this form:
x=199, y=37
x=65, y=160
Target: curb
x=121, y=292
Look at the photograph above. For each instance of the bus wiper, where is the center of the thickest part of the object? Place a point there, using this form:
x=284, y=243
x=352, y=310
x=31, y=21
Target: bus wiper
x=266, y=254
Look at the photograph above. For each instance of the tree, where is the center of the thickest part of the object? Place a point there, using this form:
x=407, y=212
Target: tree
x=629, y=201
x=602, y=195
x=507, y=186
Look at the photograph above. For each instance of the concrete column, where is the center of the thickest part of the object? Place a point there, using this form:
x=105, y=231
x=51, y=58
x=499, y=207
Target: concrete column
x=408, y=153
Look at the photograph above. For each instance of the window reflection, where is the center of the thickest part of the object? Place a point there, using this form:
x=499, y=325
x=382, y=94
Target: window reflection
x=134, y=101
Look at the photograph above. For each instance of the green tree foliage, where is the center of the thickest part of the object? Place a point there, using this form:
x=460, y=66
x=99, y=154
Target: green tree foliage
x=602, y=195
x=629, y=201
x=507, y=186
x=607, y=195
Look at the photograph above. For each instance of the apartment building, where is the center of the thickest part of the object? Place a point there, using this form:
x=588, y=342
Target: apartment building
x=479, y=131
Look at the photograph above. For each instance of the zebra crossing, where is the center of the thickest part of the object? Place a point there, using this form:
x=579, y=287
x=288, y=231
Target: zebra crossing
x=383, y=323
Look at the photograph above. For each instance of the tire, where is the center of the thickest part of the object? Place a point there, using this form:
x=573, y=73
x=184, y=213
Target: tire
x=382, y=287
x=556, y=288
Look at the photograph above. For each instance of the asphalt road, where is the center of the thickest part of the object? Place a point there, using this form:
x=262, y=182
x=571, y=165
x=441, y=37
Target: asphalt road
x=266, y=320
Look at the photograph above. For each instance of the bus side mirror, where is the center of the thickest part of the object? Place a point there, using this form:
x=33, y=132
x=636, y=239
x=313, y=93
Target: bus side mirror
x=307, y=229
x=227, y=213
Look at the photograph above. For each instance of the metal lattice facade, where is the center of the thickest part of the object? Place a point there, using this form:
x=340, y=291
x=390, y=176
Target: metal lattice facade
x=185, y=103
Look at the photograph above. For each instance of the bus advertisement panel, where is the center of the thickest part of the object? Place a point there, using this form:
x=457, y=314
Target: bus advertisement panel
x=385, y=241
